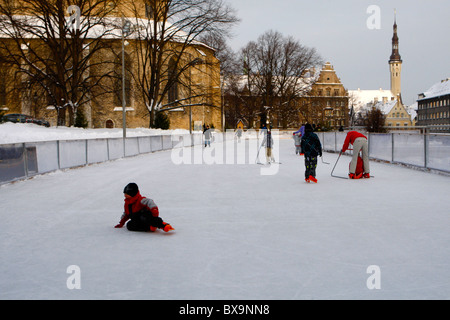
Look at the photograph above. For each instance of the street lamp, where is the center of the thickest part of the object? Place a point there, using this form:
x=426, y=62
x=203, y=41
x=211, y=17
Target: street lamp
x=126, y=30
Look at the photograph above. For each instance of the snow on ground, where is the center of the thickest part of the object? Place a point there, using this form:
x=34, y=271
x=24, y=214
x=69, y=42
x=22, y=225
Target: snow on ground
x=29, y=132
x=239, y=234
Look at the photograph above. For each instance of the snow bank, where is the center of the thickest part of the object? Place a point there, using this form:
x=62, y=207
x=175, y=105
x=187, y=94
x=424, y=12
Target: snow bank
x=28, y=132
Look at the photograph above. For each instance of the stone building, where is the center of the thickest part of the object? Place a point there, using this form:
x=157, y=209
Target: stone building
x=327, y=102
x=193, y=100
x=433, y=107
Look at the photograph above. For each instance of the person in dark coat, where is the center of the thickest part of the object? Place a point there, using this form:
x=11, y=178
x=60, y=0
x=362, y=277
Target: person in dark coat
x=142, y=212
x=311, y=148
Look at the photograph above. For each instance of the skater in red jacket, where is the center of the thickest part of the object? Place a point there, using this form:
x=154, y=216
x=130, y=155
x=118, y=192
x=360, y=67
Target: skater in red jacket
x=142, y=212
x=359, y=142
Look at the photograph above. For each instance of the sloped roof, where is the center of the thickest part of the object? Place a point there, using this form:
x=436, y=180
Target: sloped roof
x=360, y=98
x=106, y=27
x=386, y=108
x=439, y=89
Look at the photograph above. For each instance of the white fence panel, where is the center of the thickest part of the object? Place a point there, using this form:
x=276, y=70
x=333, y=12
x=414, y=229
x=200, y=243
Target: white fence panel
x=97, y=150
x=438, y=155
x=72, y=153
x=380, y=146
x=409, y=149
x=115, y=148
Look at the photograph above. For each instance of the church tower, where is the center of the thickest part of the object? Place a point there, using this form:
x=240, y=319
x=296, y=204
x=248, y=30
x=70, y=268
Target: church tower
x=395, y=63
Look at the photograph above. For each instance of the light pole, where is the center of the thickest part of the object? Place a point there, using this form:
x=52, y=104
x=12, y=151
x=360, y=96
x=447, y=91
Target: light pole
x=126, y=28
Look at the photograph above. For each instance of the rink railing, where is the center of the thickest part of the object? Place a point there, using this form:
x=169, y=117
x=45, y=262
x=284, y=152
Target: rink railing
x=427, y=151
x=23, y=160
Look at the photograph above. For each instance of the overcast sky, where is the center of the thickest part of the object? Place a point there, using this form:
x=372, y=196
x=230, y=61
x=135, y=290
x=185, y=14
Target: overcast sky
x=357, y=42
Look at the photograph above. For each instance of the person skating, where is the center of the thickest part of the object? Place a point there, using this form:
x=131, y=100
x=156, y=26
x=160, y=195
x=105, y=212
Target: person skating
x=268, y=143
x=359, y=142
x=311, y=148
x=208, y=134
x=141, y=211
x=297, y=141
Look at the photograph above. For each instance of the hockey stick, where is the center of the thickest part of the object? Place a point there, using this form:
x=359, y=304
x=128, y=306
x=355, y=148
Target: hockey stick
x=340, y=153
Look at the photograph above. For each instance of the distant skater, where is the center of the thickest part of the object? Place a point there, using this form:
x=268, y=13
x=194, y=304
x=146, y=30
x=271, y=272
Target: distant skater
x=312, y=148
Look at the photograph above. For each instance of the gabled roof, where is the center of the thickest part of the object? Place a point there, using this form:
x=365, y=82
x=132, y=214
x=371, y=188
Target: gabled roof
x=386, y=107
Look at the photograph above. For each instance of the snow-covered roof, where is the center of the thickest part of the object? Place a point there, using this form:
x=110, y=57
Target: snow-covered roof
x=106, y=27
x=360, y=98
x=439, y=89
x=412, y=110
x=386, y=107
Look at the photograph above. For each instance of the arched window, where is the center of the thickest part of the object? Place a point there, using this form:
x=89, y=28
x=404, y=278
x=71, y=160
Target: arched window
x=109, y=124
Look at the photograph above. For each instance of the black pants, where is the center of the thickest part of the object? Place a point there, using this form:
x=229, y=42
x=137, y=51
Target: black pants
x=143, y=220
x=310, y=165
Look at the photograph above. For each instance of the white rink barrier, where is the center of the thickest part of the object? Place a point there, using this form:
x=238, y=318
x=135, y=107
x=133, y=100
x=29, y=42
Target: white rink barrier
x=428, y=151
x=23, y=160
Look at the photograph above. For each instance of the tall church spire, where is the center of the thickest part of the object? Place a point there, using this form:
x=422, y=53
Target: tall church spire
x=395, y=63
x=395, y=56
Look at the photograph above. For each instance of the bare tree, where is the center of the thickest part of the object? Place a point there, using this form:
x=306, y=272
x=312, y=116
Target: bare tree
x=168, y=49
x=276, y=67
x=53, y=46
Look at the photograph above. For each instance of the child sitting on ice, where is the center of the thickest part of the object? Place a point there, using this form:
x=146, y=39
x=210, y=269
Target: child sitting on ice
x=142, y=212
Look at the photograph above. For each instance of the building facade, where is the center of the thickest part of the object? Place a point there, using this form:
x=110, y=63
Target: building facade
x=433, y=107
x=327, y=103
x=192, y=99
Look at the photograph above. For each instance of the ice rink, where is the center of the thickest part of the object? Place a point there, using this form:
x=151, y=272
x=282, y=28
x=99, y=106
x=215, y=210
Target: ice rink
x=240, y=234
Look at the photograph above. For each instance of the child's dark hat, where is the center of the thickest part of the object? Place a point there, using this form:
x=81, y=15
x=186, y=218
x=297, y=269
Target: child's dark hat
x=131, y=189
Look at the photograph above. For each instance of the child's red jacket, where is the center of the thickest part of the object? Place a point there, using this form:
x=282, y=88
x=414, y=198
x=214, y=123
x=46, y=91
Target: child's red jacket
x=136, y=204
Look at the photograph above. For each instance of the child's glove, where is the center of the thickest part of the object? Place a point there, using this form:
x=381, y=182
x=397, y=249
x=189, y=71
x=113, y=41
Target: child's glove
x=122, y=221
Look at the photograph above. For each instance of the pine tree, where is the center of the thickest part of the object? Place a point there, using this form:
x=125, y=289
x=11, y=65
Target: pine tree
x=80, y=120
x=162, y=121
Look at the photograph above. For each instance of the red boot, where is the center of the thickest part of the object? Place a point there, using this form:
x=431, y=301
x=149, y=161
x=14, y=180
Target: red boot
x=167, y=227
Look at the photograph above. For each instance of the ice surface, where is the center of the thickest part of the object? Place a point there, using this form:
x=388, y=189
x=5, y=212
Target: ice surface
x=239, y=234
